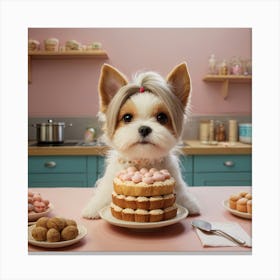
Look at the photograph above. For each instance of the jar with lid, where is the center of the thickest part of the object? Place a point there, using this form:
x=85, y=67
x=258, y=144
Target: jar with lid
x=220, y=132
x=236, y=66
x=212, y=64
x=223, y=68
x=211, y=130
x=89, y=135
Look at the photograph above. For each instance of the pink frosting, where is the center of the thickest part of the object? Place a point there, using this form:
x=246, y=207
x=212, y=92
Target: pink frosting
x=143, y=175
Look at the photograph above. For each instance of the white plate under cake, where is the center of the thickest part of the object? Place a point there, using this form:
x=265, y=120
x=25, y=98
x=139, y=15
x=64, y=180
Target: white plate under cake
x=106, y=215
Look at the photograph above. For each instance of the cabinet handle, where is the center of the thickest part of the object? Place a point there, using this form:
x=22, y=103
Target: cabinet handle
x=50, y=164
x=228, y=163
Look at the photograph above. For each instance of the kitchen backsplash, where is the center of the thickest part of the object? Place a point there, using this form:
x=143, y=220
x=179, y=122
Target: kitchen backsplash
x=80, y=124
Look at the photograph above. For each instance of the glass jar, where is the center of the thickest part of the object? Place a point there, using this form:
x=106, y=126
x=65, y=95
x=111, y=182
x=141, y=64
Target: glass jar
x=236, y=66
x=89, y=135
x=212, y=65
x=220, y=132
x=223, y=68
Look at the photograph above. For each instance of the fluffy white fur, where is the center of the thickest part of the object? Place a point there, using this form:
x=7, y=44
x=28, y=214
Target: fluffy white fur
x=158, y=152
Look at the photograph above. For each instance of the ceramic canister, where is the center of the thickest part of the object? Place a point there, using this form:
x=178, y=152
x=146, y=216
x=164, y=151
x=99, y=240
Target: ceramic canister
x=245, y=132
x=232, y=134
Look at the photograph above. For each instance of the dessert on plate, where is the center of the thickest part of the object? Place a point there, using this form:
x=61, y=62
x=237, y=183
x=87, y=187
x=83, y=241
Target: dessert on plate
x=143, y=195
x=241, y=202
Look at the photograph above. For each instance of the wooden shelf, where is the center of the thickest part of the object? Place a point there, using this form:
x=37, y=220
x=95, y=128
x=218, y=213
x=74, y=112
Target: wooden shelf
x=94, y=54
x=225, y=80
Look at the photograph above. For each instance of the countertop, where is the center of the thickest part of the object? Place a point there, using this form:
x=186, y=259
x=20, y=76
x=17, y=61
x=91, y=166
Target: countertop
x=190, y=147
x=176, y=238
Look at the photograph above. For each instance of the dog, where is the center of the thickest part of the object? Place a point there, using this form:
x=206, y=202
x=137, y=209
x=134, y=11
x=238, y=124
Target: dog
x=143, y=122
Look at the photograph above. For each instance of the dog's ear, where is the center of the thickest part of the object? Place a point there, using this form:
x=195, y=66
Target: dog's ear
x=110, y=81
x=180, y=81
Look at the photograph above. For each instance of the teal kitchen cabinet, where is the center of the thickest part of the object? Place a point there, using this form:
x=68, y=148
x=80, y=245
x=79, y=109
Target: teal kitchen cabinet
x=84, y=171
x=186, y=164
x=57, y=171
x=222, y=170
x=64, y=171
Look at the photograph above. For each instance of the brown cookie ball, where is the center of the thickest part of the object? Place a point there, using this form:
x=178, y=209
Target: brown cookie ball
x=69, y=232
x=39, y=233
x=56, y=223
x=53, y=235
x=70, y=222
x=42, y=222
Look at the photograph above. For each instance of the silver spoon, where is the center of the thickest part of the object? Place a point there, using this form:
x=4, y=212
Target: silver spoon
x=206, y=226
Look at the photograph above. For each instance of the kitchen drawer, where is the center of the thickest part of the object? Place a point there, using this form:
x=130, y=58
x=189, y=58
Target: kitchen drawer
x=57, y=180
x=223, y=163
x=57, y=164
x=223, y=179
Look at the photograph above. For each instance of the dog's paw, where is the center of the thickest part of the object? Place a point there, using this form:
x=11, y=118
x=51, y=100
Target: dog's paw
x=90, y=213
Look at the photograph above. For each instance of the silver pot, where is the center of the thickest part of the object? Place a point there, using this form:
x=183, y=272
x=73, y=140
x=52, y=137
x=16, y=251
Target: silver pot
x=50, y=132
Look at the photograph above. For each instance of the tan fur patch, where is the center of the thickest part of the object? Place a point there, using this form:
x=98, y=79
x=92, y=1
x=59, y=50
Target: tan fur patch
x=127, y=108
x=161, y=108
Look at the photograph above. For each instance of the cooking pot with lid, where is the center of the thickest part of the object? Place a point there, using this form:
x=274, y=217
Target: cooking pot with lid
x=50, y=132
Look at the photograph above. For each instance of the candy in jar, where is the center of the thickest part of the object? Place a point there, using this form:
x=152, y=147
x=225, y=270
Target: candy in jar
x=220, y=134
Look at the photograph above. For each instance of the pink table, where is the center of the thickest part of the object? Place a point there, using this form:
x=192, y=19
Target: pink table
x=180, y=237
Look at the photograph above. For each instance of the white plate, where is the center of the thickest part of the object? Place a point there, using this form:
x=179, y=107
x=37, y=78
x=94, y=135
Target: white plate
x=35, y=216
x=106, y=215
x=235, y=212
x=45, y=244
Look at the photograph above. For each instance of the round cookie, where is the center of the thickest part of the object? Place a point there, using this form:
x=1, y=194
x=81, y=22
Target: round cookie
x=39, y=233
x=42, y=222
x=241, y=205
x=56, y=223
x=233, y=200
x=53, y=235
x=69, y=232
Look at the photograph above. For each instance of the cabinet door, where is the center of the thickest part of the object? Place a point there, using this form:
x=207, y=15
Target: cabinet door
x=57, y=171
x=57, y=164
x=223, y=179
x=223, y=163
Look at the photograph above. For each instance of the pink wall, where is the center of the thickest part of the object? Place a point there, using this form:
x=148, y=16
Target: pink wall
x=69, y=87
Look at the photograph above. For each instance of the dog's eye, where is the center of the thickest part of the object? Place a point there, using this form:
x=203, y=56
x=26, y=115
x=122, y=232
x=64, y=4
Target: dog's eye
x=162, y=118
x=127, y=118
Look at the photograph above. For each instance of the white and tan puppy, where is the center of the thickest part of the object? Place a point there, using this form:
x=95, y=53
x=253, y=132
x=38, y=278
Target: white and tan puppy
x=143, y=122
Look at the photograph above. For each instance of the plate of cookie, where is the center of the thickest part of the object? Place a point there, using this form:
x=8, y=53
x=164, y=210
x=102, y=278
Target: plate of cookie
x=239, y=204
x=34, y=216
x=55, y=232
x=38, y=206
x=106, y=215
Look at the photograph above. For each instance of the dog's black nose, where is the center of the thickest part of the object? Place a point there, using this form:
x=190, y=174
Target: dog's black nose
x=144, y=130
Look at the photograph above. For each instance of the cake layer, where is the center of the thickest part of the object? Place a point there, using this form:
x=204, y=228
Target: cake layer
x=130, y=188
x=143, y=202
x=143, y=216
